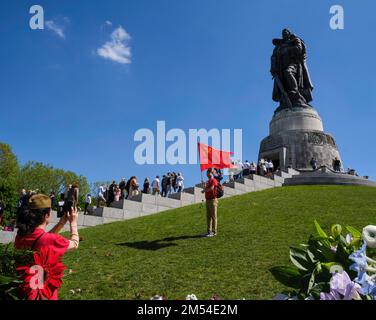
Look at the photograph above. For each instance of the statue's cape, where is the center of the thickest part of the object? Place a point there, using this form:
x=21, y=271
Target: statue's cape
x=307, y=82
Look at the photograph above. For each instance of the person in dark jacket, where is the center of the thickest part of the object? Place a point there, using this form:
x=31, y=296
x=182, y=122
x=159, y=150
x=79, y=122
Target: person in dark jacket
x=164, y=186
x=146, y=187
x=122, y=185
x=111, y=193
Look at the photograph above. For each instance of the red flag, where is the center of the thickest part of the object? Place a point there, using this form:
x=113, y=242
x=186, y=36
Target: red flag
x=213, y=158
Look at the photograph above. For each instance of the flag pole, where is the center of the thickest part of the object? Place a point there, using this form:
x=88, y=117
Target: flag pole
x=202, y=178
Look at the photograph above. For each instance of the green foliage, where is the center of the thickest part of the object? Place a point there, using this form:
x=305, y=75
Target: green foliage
x=314, y=261
x=9, y=173
x=289, y=276
x=9, y=287
x=10, y=259
x=354, y=232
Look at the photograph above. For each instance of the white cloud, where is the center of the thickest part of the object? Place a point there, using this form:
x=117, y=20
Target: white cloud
x=109, y=23
x=117, y=49
x=56, y=28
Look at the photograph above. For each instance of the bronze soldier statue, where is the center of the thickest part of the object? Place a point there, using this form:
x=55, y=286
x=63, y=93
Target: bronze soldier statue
x=292, y=83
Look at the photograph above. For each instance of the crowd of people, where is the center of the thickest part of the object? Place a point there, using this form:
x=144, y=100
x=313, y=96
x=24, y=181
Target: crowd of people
x=164, y=186
x=170, y=182
x=265, y=167
x=68, y=199
x=126, y=189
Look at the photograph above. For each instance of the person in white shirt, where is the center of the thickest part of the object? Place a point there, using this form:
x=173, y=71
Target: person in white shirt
x=155, y=185
x=100, y=196
x=180, y=182
x=239, y=170
x=246, y=167
x=264, y=169
x=267, y=165
x=271, y=166
x=253, y=168
x=87, y=202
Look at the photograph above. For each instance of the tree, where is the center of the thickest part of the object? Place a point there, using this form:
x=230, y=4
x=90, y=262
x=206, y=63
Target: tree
x=35, y=176
x=9, y=174
x=38, y=177
x=44, y=178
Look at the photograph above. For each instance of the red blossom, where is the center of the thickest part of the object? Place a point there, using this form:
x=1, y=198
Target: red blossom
x=49, y=262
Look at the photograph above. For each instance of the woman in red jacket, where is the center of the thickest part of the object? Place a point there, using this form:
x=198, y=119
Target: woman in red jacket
x=32, y=222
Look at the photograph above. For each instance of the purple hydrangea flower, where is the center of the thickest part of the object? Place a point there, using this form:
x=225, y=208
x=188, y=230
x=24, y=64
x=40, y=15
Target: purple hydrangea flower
x=342, y=288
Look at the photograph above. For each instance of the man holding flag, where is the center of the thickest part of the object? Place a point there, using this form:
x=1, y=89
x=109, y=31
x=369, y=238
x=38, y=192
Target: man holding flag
x=211, y=204
x=211, y=158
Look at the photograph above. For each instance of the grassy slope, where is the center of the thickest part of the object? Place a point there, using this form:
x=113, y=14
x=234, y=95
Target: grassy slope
x=133, y=258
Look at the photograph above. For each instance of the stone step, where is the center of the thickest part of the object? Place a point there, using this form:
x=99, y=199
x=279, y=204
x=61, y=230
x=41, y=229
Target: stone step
x=7, y=236
x=98, y=212
x=185, y=198
x=249, y=183
x=279, y=180
x=117, y=204
x=130, y=214
x=240, y=187
x=199, y=195
x=190, y=190
x=156, y=200
x=284, y=174
x=132, y=205
x=259, y=186
x=66, y=228
x=137, y=198
x=91, y=221
x=231, y=191
x=293, y=172
x=113, y=213
x=54, y=219
x=318, y=178
x=261, y=180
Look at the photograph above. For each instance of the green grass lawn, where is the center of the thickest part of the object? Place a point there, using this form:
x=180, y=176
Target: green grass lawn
x=162, y=254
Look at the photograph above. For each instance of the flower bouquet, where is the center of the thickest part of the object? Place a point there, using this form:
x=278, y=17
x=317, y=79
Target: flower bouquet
x=331, y=266
x=30, y=275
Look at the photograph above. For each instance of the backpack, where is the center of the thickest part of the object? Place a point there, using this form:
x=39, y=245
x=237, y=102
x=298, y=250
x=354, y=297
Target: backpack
x=220, y=191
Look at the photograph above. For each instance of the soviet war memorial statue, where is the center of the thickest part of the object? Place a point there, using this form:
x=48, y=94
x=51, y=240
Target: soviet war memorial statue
x=292, y=82
x=296, y=132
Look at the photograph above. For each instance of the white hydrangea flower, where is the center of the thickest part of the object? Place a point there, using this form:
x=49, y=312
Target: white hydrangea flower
x=369, y=236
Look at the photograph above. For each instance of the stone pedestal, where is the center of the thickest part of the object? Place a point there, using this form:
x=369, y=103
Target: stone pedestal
x=295, y=136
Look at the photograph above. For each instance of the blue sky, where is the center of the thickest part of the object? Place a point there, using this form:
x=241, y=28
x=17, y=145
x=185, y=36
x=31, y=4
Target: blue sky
x=194, y=64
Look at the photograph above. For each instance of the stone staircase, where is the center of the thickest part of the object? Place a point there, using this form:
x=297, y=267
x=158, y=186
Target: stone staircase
x=147, y=204
x=326, y=176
